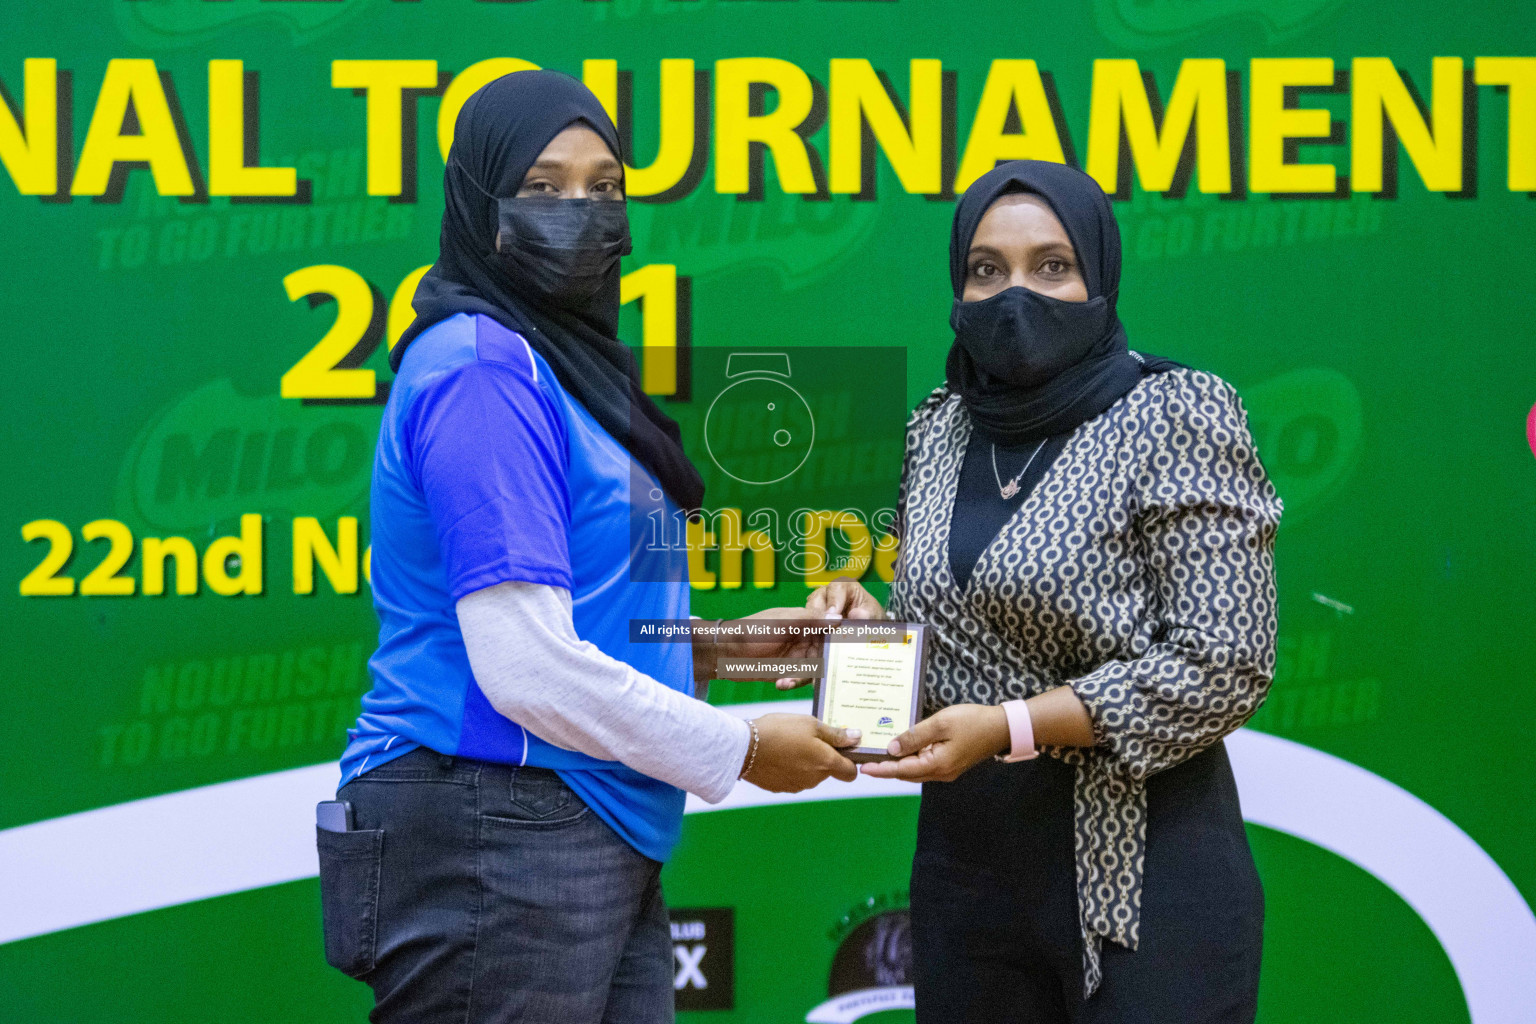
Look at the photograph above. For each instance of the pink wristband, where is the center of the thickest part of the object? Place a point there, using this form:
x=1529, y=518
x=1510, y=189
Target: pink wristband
x=1021, y=731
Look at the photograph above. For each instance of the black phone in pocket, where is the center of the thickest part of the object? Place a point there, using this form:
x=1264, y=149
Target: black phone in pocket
x=334, y=815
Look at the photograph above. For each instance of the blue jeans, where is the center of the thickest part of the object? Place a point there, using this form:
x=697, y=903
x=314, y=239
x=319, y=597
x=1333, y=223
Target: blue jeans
x=475, y=892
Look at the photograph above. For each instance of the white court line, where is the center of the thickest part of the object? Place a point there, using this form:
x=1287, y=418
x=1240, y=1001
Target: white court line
x=1474, y=910
x=226, y=838
x=161, y=851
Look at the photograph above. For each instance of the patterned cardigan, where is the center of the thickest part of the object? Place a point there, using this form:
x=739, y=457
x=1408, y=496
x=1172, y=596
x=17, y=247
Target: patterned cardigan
x=1139, y=571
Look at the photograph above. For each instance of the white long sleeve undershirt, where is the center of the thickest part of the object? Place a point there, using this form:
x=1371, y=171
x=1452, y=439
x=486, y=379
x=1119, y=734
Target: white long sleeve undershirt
x=535, y=670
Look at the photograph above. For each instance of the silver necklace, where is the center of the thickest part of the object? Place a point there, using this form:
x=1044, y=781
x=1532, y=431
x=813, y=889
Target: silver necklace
x=1011, y=488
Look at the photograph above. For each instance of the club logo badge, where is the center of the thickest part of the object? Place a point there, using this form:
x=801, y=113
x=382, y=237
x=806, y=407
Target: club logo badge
x=872, y=968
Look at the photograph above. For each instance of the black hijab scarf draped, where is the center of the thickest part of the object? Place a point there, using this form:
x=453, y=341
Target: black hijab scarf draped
x=499, y=133
x=1013, y=414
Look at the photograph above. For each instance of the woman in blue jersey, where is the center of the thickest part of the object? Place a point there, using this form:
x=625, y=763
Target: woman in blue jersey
x=518, y=772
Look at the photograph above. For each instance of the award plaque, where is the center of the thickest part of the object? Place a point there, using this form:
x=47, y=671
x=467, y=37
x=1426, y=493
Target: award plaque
x=872, y=685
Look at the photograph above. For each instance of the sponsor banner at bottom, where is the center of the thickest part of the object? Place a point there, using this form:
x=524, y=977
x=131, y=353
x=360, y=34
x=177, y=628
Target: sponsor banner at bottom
x=852, y=1006
x=704, y=957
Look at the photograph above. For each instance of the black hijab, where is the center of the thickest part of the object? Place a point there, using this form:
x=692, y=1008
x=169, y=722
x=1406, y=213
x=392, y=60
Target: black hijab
x=1028, y=366
x=499, y=133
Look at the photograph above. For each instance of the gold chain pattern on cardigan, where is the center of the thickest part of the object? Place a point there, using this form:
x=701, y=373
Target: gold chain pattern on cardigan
x=1139, y=571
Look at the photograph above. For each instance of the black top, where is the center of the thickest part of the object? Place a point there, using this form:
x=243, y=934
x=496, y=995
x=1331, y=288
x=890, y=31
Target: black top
x=980, y=511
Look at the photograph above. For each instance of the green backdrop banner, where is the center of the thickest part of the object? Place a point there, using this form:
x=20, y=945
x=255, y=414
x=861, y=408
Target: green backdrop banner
x=215, y=213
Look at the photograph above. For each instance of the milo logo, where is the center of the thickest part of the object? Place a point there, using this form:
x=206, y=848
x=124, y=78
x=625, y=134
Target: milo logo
x=217, y=453
x=1307, y=426
x=1143, y=24
x=165, y=24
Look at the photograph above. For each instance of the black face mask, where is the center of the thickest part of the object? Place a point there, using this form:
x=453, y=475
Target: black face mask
x=1025, y=338
x=565, y=250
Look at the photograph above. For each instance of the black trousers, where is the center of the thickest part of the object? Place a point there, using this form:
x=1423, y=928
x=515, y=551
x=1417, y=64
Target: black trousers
x=994, y=903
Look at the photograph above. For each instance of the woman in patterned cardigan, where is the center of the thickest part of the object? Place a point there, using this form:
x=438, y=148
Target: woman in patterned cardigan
x=1089, y=534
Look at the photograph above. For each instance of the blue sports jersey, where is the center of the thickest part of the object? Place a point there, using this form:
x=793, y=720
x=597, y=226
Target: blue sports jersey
x=488, y=471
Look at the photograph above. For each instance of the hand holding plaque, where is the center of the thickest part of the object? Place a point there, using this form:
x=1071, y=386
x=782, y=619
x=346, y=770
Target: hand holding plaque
x=795, y=752
x=872, y=682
